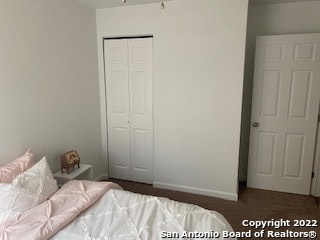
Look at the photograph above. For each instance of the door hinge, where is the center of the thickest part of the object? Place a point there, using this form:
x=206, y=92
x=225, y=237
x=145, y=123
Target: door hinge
x=312, y=175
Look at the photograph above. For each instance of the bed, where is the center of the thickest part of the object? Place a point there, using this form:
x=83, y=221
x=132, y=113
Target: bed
x=32, y=206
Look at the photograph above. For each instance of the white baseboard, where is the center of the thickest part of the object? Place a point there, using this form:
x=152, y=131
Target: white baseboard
x=102, y=177
x=206, y=192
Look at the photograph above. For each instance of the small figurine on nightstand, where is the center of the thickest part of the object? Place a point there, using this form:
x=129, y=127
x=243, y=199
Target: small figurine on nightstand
x=69, y=160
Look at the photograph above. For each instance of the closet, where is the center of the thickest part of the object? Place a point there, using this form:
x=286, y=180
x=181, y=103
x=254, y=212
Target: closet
x=128, y=73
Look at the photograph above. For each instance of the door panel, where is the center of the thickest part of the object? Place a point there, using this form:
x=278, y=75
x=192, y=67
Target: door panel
x=119, y=155
x=274, y=52
x=285, y=103
x=118, y=91
x=266, y=148
x=293, y=158
x=300, y=94
x=304, y=52
x=270, y=93
x=140, y=78
x=139, y=88
x=118, y=115
x=141, y=163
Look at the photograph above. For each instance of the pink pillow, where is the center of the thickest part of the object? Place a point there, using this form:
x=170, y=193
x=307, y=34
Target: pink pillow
x=10, y=170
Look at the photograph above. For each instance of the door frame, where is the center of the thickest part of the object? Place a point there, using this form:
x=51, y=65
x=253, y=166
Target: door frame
x=315, y=181
x=103, y=98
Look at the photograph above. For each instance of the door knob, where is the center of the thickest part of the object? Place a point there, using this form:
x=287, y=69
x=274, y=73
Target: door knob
x=255, y=124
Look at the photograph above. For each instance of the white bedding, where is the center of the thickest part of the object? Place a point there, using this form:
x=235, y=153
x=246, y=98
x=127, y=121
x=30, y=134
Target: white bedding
x=121, y=214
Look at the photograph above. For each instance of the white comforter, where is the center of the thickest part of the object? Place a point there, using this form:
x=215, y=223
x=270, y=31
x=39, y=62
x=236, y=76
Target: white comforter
x=124, y=215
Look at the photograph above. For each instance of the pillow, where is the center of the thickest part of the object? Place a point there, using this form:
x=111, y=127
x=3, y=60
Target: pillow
x=27, y=190
x=10, y=170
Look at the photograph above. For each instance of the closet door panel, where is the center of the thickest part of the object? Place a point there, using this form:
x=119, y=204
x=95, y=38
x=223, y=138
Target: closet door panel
x=118, y=113
x=141, y=117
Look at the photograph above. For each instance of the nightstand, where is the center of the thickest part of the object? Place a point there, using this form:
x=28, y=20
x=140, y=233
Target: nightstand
x=83, y=173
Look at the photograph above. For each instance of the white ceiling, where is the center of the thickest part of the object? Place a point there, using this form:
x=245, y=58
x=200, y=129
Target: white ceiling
x=118, y=3
x=115, y=3
x=261, y=2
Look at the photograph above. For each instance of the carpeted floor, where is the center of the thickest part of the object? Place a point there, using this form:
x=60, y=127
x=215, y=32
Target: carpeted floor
x=254, y=204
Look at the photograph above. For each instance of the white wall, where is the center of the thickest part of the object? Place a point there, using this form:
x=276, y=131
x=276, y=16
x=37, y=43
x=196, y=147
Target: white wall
x=49, y=85
x=271, y=19
x=198, y=78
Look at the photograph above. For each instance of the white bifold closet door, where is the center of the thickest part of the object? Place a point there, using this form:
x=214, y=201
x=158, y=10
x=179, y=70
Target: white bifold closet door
x=128, y=71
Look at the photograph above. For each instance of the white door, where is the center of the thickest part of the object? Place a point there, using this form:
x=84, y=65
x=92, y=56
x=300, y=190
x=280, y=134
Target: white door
x=128, y=71
x=284, y=116
x=141, y=121
x=118, y=113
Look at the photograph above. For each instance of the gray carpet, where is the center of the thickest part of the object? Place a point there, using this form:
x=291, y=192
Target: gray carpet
x=254, y=204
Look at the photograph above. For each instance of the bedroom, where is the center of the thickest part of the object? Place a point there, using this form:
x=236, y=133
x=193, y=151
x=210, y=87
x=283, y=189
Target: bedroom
x=37, y=35
x=51, y=88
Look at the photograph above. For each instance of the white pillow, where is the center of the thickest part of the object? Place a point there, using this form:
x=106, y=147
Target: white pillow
x=28, y=189
x=37, y=181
